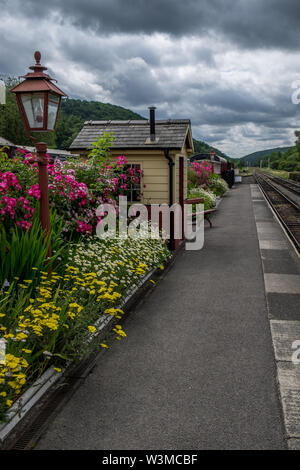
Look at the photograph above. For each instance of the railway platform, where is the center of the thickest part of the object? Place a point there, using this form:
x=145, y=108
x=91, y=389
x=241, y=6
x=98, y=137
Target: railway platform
x=207, y=359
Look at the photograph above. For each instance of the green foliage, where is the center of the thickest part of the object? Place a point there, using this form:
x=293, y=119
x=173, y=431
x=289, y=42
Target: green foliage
x=274, y=165
x=239, y=163
x=192, y=178
x=68, y=127
x=286, y=161
x=21, y=250
x=217, y=185
x=254, y=158
x=100, y=150
x=208, y=196
x=93, y=110
x=282, y=158
x=297, y=143
x=3, y=157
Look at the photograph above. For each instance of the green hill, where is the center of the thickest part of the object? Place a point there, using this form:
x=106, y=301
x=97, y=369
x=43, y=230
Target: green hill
x=203, y=147
x=255, y=157
x=280, y=158
x=73, y=113
x=93, y=110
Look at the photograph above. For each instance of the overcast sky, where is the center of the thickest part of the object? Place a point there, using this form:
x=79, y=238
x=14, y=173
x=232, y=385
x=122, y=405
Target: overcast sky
x=228, y=65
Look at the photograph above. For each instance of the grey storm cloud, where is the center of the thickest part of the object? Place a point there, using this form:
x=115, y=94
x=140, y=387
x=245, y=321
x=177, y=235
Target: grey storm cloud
x=228, y=65
x=255, y=23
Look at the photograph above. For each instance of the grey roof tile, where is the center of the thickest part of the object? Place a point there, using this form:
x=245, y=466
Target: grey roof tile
x=171, y=133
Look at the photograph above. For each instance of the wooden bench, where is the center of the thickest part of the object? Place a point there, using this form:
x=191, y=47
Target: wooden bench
x=207, y=213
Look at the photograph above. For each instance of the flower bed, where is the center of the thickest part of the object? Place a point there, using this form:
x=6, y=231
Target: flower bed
x=46, y=319
x=75, y=191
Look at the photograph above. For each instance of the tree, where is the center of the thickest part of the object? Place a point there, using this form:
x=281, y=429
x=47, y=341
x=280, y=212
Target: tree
x=274, y=165
x=67, y=129
x=297, y=143
x=239, y=163
x=101, y=149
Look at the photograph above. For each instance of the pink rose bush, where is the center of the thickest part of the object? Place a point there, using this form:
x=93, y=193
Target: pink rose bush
x=15, y=206
x=76, y=189
x=203, y=171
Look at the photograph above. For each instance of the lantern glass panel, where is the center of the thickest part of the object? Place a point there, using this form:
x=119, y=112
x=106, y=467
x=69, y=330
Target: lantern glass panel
x=53, y=102
x=33, y=104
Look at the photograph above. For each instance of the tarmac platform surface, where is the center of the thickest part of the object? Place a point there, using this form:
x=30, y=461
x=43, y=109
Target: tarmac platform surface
x=197, y=369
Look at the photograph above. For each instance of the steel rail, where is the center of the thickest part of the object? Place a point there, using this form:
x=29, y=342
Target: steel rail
x=287, y=184
x=263, y=180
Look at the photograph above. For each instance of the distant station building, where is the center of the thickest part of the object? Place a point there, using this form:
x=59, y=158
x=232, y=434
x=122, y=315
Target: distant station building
x=219, y=164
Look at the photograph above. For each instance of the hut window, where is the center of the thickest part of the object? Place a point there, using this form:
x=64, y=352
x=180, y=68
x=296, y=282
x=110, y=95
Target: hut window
x=134, y=191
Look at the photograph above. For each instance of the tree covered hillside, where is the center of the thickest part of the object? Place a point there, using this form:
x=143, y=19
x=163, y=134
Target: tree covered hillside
x=202, y=147
x=254, y=158
x=288, y=161
x=282, y=158
x=74, y=113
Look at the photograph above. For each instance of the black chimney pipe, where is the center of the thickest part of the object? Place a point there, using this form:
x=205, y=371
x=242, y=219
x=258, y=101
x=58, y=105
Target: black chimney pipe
x=152, y=123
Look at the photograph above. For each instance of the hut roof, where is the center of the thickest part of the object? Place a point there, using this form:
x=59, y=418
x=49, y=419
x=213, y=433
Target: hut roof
x=171, y=133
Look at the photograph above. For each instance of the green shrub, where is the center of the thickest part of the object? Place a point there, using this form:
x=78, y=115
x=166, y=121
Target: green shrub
x=297, y=167
x=192, y=178
x=208, y=196
x=218, y=185
x=20, y=250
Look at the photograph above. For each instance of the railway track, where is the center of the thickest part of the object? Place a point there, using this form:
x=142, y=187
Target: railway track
x=288, y=184
x=287, y=210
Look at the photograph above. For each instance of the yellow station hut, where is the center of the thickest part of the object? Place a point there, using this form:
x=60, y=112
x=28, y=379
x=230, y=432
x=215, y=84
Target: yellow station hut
x=160, y=148
x=167, y=147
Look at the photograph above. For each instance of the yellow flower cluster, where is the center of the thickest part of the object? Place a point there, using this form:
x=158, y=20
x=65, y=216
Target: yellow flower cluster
x=118, y=329
x=12, y=375
x=113, y=311
x=141, y=268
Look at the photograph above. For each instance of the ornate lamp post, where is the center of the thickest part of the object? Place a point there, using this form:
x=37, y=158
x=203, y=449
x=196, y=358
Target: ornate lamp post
x=39, y=102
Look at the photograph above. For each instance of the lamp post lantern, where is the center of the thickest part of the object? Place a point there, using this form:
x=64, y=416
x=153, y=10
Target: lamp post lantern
x=39, y=102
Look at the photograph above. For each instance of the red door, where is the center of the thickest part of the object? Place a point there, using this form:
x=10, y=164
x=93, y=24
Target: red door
x=181, y=189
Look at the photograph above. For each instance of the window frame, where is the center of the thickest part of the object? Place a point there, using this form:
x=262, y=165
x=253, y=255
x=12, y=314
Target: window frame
x=129, y=192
